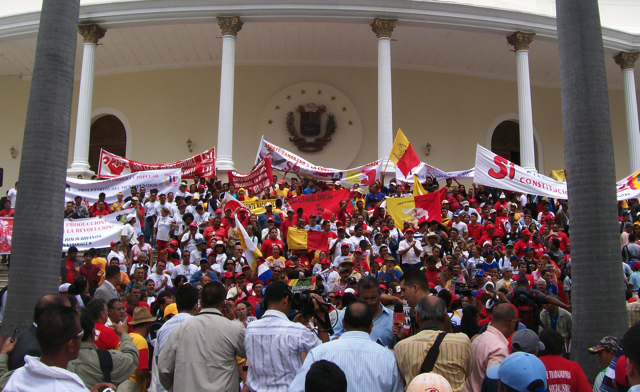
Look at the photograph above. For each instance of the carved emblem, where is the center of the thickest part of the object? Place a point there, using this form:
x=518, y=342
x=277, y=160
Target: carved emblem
x=311, y=126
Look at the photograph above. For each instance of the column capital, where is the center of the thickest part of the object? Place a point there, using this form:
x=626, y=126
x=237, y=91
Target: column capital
x=383, y=27
x=230, y=25
x=91, y=33
x=626, y=60
x=520, y=40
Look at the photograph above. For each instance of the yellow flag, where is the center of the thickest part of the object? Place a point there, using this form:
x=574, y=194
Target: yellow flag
x=297, y=238
x=559, y=175
x=418, y=189
x=399, y=147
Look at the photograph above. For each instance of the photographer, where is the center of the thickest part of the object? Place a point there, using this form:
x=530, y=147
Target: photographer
x=274, y=344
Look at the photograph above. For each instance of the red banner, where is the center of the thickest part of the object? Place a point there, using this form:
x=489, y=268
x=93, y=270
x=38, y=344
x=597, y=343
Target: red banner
x=259, y=178
x=318, y=202
x=112, y=165
x=318, y=240
x=6, y=232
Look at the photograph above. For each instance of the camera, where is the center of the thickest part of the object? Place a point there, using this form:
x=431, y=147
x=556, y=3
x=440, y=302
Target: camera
x=302, y=302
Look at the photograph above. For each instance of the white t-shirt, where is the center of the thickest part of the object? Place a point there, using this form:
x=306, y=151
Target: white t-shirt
x=150, y=208
x=190, y=243
x=159, y=208
x=396, y=234
x=177, y=219
x=186, y=270
x=183, y=194
x=205, y=217
x=338, y=252
x=11, y=195
x=157, y=280
x=410, y=257
x=196, y=256
x=120, y=257
x=129, y=233
x=462, y=228
x=163, y=224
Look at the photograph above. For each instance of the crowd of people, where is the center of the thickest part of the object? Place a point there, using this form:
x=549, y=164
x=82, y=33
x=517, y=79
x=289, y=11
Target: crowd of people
x=478, y=300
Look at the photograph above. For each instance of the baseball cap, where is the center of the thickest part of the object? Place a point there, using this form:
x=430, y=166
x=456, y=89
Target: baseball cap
x=173, y=242
x=518, y=371
x=281, y=182
x=637, y=264
x=509, y=245
x=268, y=205
x=445, y=201
x=385, y=229
x=526, y=341
x=429, y=382
x=486, y=243
x=490, y=226
x=289, y=264
x=115, y=243
x=493, y=211
x=227, y=275
x=514, y=258
x=336, y=183
x=193, y=224
x=239, y=274
x=526, y=232
x=480, y=273
x=621, y=372
x=218, y=211
x=171, y=309
x=325, y=261
x=606, y=343
x=345, y=244
x=409, y=230
x=357, y=250
x=140, y=233
x=527, y=248
x=64, y=288
x=352, y=280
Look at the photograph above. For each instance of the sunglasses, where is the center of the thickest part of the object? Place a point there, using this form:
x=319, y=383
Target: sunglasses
x=79, y=336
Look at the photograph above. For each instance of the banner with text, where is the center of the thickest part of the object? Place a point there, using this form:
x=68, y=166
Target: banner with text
x=97, y=233
x=289, y=162
x=424, y=170
x=164, y=181
x=495, y=171
x=6, y=232
x=259, y=178
x=112, y=165
x=256, y=207
x=629, y=187
x=315, y=203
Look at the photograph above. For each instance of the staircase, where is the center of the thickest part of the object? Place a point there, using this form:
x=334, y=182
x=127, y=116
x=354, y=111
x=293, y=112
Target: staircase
x=4, y=275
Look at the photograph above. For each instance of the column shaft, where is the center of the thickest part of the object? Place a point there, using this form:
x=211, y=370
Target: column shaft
x=225, y=116
x=631, y=107
x=83, y=122
x=385, y=108
x=527, y=148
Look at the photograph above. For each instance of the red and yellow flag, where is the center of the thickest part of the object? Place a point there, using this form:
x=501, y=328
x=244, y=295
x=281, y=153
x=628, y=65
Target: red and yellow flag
x=403, y=155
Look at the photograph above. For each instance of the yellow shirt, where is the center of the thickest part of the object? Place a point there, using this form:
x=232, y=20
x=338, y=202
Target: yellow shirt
x=141, y=344
x=282, y=193
x=100, y=262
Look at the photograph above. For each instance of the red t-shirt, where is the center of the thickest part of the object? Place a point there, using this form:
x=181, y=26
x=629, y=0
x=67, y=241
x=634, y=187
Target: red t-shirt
x=97, y=212
x=6, y=212
x=71, y=276
x=529, y=278
x=304, y=262
x=432, y=277
x=564, y=375
x=254, y=301
x=475, y=231
x=267, y=247
x=284, y=226
x=564, y=240
x=106, y=338
x=538, y=250
x=129, y=320
x=519, y=246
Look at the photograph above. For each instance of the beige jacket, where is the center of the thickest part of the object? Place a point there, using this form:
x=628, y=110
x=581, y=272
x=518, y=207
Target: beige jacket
x=200, y=354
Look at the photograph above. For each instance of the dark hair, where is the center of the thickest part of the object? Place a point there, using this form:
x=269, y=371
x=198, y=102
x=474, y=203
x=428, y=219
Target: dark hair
x=553, y=342
x=631, y=344
x=161, y=299
x=132, y=299
x=72, y=249
x=445, y=295
x=416, y=277
x=186, y=297
x=368, y=283
x=78, y=287
x=213, y=295
x=96, y=306
x=632, y=238
x=111, y=303
x=348, y=298
x=48, y=302
x=358, y=316
x=111, y=271
x=87, y=323
x=276, y=292
x=469, y=324
x=325, y=376
x=555, y=242
x=56, y=327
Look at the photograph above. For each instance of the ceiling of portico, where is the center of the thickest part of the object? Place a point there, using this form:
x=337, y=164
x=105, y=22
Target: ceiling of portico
x=418, y=47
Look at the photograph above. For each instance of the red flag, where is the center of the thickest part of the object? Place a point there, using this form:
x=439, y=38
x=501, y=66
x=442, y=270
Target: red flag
x=432, y=202
x=403, y=155
x=408, y=161
x=318, y=240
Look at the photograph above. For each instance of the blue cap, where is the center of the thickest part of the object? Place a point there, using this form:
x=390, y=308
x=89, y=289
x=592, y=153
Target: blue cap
x=140, y=233
x=514, y=257
x=527, y=248
x=518, y=371
x=474, y=292
x=480, y=273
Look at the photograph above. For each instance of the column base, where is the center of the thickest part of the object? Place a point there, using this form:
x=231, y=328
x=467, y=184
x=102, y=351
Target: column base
x=224, y=165
x=80, y=170
x=530, y=169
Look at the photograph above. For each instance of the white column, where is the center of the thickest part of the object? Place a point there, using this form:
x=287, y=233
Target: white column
x=521, y=42
x=230, y=27
x=627, y=62
x=80, y=166
x=383, y=28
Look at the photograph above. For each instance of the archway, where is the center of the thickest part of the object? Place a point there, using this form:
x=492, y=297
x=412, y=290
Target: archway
x=505, y=141
x=107, y=133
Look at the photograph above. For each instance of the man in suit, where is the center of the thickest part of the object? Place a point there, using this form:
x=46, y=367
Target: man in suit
x=107, y=290
x=27, y=343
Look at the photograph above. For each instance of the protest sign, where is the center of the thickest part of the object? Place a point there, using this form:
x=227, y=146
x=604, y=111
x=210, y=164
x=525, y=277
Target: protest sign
x=164, y=181
x=413, y=209
x=495, y=171
x=289, y=162
x=259, y=178
x=89, y=233
x=299, y=285
x=297, y=238
x=315, y=203
x=256, y=207
x=629, y=187
x=422, y=172
x=202, y=164
x=6, y=232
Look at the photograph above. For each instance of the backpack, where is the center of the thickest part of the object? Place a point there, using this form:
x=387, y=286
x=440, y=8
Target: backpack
x=525, y=302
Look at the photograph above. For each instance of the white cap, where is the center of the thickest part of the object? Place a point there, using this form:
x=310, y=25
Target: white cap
x=502, y=196
x=64, y=288
x=429, y=382
x=349, y=290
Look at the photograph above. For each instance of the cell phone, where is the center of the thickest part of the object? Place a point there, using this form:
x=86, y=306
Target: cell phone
x=13, y=337
x=549, y=266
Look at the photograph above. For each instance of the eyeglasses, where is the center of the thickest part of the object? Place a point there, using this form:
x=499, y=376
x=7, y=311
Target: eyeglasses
x=79, y=336
x=370, y=300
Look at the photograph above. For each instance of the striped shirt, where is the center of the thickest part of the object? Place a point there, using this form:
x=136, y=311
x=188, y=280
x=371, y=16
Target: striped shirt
x=274, y=345
x=368, y=366
x=454, y=362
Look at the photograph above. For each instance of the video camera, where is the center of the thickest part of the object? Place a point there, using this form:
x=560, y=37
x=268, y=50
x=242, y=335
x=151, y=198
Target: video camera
x=302, y=302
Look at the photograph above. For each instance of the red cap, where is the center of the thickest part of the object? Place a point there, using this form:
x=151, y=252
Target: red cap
x=258, y=282
x=174, y=243
x=341, y=222
x=325, y=261
x=621, y=372
x=479, y=293
x=409, y=230
x=490, y=226
x=193, y=224
x=385, y=229
x=240, y=274
x=227, y=275
x=246, y=266
x=339, y=293
x=218, y=211
x=357, y=250
x=289, y=264
x=281, y=182
x=526, y=232
x=383, y=287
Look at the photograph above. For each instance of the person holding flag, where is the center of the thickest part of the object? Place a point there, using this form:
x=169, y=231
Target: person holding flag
x=403, y=155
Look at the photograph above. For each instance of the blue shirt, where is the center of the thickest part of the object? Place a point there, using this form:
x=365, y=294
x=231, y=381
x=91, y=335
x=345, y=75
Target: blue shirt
x=635, y=280
x=487, y=267
x=371, y=196
x=195, y=278
x=552, y=289
x=387, y=277
x=367, y=366
x=382, y=331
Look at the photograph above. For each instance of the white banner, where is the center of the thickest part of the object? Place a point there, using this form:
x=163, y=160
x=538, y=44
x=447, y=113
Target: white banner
x=286, y=161
x=90, y=233
x=423, y=169
x=495, y=171
x=629, y=187
x=164, y=181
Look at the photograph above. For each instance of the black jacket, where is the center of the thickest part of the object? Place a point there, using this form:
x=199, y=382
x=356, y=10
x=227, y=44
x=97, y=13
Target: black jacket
x=27, y=344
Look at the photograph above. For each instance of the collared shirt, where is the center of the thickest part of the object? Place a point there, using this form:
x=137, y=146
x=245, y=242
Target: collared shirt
x=410, y=257
x=273, y=346
x=367, y=366
x=36, y=376
x=382, y=331
x=633, y=311
x=162, y=336
x=488, y=349
x=454, y=363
